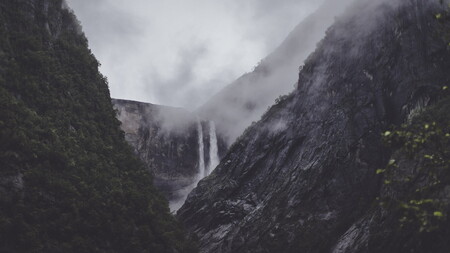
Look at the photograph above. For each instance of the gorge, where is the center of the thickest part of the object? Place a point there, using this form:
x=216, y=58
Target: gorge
x=338, y=141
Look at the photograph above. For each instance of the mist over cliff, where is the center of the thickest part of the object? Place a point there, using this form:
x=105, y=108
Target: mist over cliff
x=177, y=147
x=165, y=138
x=179, y=53
x=245, y=100
x=308, y=177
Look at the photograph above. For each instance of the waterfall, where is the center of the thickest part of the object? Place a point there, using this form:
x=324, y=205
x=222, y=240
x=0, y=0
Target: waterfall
x=213, y=149
x=202, y=171
x=201, y=150
x=183, y=192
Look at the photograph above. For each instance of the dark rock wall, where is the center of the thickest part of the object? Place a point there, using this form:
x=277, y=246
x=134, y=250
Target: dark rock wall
x=168, y=146
x=299, y=178
x=166, y=139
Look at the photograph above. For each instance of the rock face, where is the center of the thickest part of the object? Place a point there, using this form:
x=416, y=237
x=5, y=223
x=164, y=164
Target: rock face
x=303, y=178
x=240, y=103
x=167, y=141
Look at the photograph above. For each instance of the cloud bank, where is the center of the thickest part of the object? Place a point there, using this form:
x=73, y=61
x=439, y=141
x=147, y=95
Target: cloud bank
x=180, y=53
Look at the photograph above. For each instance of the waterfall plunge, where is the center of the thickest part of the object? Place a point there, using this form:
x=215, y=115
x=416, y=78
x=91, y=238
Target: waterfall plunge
x=183, y=193
x=213, y=149
x=201, y=152
x=202, y=172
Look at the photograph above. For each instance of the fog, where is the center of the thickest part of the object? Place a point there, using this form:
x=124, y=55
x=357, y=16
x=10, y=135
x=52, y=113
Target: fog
x=190, y=53
x=246, y=99
x=180, y=53
x=185, y=53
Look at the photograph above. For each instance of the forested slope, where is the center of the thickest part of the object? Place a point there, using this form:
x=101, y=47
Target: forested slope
x=68, y=180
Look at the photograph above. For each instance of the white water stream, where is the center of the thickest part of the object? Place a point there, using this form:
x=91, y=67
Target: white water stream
x=202, y=170
x=213, y=149
x=201, y=152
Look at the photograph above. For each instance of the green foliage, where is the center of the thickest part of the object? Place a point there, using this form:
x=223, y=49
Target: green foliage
x=443, y=17
x=420, y=169
x=68, y=180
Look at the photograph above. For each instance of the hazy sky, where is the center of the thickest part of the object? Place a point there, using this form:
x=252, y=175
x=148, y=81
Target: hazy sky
x=181, y=52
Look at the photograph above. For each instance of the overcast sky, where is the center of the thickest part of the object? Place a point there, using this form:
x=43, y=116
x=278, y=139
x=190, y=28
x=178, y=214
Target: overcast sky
x=180, y=52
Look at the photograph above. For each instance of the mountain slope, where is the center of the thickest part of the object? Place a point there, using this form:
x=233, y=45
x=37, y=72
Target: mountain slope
x=68, y=180
x=300, y=178
x=246, y=99
x=412, y=210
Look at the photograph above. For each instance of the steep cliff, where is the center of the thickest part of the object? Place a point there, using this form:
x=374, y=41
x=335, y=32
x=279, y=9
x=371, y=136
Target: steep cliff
x=245, y=100
x=412, y=209
x=68, y=180
x=304, y=178
x=167, y=141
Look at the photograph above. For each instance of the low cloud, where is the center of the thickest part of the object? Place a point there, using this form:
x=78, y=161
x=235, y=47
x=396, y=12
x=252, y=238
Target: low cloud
x=179, y=53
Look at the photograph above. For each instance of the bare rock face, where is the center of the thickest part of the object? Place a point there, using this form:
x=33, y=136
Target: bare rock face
x=166, y=139
x=303, y=178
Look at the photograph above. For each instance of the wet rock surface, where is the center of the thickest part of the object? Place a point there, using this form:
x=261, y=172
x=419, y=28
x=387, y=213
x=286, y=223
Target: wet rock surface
x=170, y=151
x=303, y=178
x=166, y=139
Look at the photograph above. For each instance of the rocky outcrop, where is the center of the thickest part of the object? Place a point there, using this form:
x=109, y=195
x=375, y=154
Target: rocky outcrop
x=303, y=178
x=166, y=139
